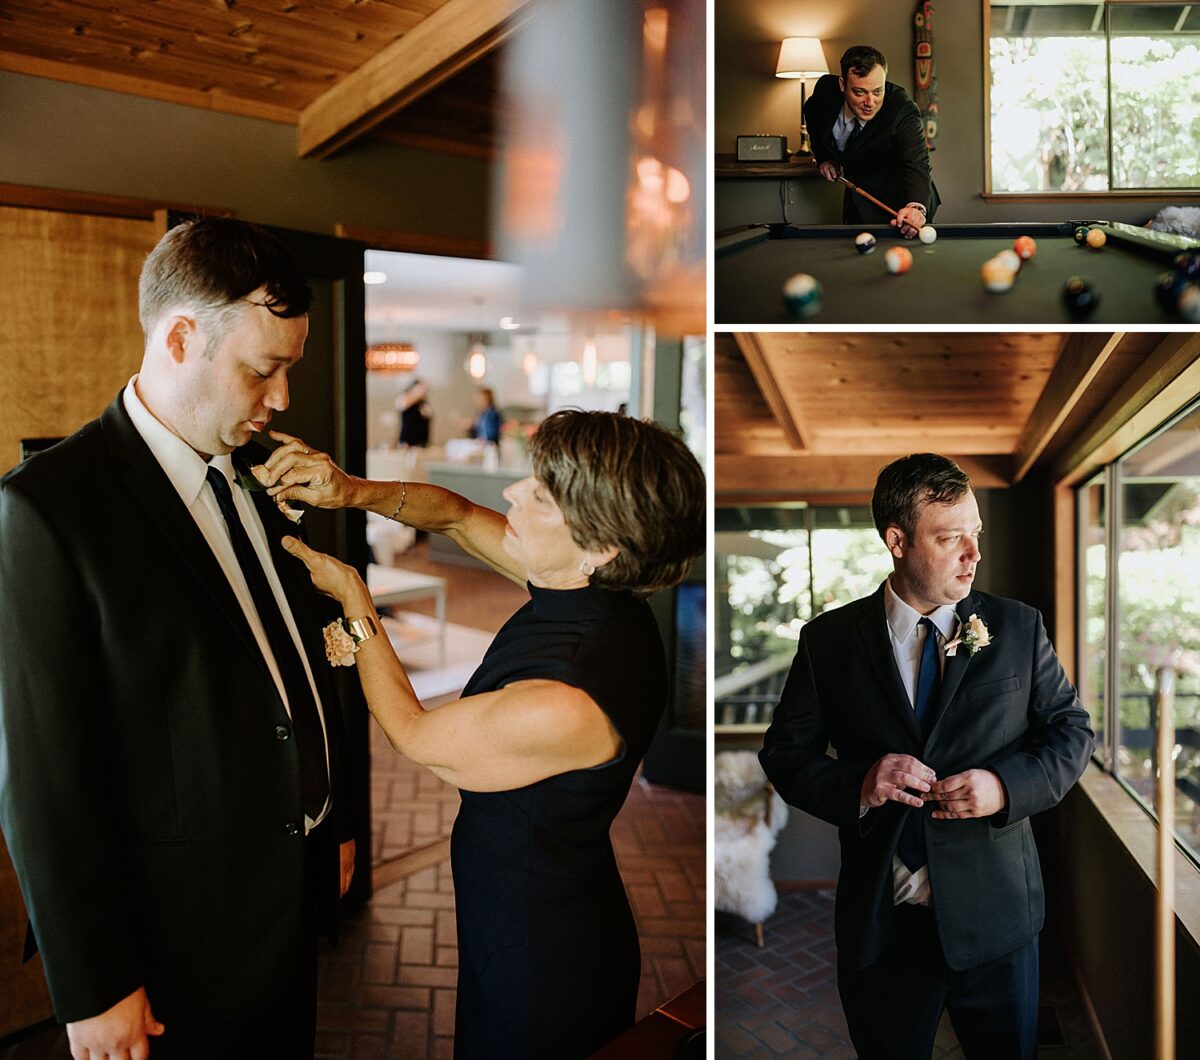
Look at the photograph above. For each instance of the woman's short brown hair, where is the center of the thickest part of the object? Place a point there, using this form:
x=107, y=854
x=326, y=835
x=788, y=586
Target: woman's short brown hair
x=627, y=483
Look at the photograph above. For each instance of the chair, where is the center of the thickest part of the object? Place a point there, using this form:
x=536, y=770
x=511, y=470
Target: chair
x=749, y=815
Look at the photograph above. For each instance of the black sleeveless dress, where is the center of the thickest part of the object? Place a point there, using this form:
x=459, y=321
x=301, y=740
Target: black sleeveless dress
x=548, y=950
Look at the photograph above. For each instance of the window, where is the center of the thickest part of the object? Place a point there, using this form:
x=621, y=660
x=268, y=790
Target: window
x=777, y=568
x=1093, y=97
x=1142, y=575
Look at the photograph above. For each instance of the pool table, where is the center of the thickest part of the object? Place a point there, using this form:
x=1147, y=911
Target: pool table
x=943, y=285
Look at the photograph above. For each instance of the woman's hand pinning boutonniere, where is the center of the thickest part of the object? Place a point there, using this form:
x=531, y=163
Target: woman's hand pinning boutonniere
x=339, y=645
x=256, y=482
x=972, y=635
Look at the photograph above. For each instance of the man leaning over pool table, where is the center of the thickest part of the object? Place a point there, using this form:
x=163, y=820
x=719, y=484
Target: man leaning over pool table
x=869, y=130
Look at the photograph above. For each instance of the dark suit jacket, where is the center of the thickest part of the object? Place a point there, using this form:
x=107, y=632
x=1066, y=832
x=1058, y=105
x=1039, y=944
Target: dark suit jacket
x=1008, y=708
x=149, y=784
x=889, y=159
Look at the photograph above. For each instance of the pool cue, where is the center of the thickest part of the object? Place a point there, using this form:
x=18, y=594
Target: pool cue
x=1164, y=965
x=867, y=195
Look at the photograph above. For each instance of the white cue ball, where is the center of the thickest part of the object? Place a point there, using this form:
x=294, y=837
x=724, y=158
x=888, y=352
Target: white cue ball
x=1011, y=259
x=927, y=234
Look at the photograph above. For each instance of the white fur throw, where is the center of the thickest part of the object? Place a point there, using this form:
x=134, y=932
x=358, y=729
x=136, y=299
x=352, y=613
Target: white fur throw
x=743, y=840
x=1182, y=220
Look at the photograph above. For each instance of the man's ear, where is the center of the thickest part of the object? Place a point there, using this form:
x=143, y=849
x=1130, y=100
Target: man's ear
x=182, y=336
x=842, y=85
x=896, y=541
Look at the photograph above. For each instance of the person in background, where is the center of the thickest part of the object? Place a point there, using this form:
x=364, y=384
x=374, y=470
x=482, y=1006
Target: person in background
x=550, y=730
x=415, y=414
x=487, y=421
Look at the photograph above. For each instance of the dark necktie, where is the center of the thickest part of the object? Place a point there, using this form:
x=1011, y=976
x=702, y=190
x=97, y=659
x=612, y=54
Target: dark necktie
x=912, y=835
x=314, y=779
x=855, y=133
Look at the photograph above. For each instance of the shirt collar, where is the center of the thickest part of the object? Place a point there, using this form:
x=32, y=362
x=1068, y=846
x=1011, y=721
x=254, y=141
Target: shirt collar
x=186, y=469
x=902, y=619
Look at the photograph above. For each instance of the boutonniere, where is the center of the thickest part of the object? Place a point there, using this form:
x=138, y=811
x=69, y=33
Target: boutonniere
x=972, y=635
x=339, y=645
x=252, y=482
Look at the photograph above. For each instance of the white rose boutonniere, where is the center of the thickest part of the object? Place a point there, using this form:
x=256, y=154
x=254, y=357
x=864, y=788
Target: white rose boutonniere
x=972, y=635
x=339, y=645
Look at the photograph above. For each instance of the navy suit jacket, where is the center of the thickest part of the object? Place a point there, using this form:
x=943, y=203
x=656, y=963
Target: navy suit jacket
x=1008, y=708
x=149, y=781
x=889, y=158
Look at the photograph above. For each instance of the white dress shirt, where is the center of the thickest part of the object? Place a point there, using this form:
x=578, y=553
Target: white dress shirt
x=908, y=638
x=187, y=472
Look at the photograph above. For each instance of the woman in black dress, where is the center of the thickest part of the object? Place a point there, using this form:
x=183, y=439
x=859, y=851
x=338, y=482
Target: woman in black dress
x=550, y=730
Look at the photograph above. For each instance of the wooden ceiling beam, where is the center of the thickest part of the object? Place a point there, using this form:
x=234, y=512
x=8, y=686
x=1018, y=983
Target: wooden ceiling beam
x=1084, y=355
x=437, y=48
x=786, y=475
x=785, y=413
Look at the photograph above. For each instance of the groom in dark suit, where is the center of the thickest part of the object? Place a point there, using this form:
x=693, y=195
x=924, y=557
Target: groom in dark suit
x=169, y=734
x=952, y=722
x=870, y=130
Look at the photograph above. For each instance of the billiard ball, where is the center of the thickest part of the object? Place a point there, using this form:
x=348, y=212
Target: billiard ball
x=996, y=275
x=1188, y=304
x=1187, y=264
x=803, y=295
x=927, y=234
x=1025, y=247
x=1081, y=234
x=1096, y=238
x=1011, y=260
x=1080, y=297
x=864, y=242
x=1167, y=289
x=899, y=259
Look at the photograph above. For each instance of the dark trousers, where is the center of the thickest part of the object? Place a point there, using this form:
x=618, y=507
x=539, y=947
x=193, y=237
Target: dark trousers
x=894, y=1006
x=286, y=1026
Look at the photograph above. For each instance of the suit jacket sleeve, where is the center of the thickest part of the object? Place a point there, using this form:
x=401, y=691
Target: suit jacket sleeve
x=58, y=803
x=1057, y=745
x=908, y=138
x=820, y=112
x=795, y=754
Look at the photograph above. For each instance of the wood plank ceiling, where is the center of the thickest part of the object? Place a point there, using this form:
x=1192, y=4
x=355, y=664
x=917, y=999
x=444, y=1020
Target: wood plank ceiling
x=811, y=413
x=415, y=72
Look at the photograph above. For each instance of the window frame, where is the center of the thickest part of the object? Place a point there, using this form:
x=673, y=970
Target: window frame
x=1190, y=194
x=1109, y=473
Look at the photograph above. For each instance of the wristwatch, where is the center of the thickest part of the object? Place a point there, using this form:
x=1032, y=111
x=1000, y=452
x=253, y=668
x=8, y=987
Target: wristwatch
x=361, y=629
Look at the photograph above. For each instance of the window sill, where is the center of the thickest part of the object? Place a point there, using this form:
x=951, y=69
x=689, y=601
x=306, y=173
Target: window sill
x=1168, y=195
x=1139, y=835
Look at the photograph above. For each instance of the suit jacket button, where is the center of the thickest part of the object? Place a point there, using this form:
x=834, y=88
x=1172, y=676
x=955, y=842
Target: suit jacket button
x=292, y=828
x=282, y=732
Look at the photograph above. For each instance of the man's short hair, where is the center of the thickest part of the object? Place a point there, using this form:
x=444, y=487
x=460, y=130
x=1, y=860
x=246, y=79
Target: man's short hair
x=907, y=485
x=211, y=265
x=861, y=60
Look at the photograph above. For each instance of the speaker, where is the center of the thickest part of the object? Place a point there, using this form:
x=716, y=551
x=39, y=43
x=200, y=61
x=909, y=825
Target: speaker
x=762, y=148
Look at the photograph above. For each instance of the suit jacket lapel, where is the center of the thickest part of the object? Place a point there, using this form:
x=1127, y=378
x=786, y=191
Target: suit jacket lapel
x=956, y=666
x=873, y=629
x=150, y=485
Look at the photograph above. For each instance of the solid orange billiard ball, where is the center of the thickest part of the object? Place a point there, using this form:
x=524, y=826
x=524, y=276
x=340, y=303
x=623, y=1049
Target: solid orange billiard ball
x=1096, y=239
x=1025, y=247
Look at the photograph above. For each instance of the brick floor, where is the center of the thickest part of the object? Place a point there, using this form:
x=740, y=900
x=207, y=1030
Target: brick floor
x=389, y=987
x=782, y=1001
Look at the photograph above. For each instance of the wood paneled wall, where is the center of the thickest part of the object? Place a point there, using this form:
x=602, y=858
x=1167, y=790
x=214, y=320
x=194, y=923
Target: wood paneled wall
x=69, y=332
x=69, y=340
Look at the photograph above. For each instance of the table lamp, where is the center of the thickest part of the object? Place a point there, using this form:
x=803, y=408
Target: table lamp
x=801, y=57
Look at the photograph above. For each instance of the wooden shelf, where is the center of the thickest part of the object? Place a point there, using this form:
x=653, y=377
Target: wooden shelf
x=796, y=167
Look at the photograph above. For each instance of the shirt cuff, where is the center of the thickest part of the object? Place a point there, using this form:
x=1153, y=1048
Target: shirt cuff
x=916, y=206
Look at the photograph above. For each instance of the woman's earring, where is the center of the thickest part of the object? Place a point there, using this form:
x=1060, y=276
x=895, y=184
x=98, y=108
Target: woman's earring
x=586, y=568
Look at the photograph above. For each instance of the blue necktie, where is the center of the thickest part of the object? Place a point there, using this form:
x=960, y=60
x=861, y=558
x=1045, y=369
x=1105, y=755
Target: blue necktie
x=314, y=778
x=912, y=836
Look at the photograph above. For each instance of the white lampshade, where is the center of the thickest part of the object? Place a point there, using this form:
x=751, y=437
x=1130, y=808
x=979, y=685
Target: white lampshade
x=801, y=57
